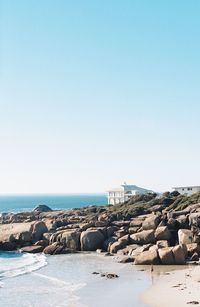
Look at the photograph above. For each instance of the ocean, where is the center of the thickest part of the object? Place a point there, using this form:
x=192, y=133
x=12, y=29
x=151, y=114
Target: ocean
x=17, y=203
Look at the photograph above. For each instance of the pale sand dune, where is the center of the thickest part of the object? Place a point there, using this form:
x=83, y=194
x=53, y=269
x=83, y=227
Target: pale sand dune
x=174, y=287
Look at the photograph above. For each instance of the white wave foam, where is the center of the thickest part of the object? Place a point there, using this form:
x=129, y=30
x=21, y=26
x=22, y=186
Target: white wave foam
x=14, y=264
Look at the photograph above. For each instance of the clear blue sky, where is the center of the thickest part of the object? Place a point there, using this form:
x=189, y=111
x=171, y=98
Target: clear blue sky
x=94, y=93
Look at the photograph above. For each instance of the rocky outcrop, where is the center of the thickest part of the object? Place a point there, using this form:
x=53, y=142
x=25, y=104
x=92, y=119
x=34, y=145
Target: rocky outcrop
x=148, y=228
x=91, y=240
x=42, y=208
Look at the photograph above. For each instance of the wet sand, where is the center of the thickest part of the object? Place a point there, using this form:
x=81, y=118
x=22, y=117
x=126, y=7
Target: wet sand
x=68, y=280
x=174, y=286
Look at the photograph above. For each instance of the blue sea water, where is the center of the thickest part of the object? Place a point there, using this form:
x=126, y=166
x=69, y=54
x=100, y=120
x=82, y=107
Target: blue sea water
x=27, y=203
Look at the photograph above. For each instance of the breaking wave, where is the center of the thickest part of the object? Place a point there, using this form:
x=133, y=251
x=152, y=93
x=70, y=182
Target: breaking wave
x=15, y=263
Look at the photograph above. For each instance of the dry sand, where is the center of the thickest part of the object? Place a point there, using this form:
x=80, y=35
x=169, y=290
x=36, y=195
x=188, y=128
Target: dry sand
x=173, y=286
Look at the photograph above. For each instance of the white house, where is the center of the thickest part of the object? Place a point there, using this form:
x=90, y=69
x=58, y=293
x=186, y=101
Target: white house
x=187, y=190
x=124, y=193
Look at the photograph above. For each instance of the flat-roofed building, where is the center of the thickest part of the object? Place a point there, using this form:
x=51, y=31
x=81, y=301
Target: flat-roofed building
x=124, y=193
x=189, y=190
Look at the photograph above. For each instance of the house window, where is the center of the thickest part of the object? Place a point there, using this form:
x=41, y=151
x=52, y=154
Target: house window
x=183, y=189
x=189, y=189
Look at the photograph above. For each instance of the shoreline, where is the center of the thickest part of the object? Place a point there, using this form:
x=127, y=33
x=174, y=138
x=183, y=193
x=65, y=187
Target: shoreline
x=76, y=285
x=176, y=286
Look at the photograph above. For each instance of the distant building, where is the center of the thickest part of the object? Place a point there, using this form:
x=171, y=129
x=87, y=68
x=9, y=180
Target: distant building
x=124, y=193
x=187, y=190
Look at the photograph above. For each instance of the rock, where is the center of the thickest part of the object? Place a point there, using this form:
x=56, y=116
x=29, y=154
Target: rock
x=194, y=219
x=179, y=254
x=124, y=239
x=166, y=256
x=71, y=240
x=43, y=243
x=183, y=221
x=193, y=248
x=111, y=230
x=38, y=228
x=132, y=230
x=110, y=275
x=121, y=223
x=147, y=257
x=172, y=224
x=99, y=251
x=25, y=236
x=32, y=249
x=162, y=233
x=137, y=222
x=54, y=249
x=185, y=236
x=140, y=250
x=12, y=232
x=128, y=249
x=107, y=243
x=127, y=260
x=8, y=246
x=151, y=222
x=162, y=243
x=42, y=208
x=120, y=233
x=85, y=226
x=91, y=240
x=194, y=257
x=153, y=248
x=116, y=246
x=47, y=235
x=143, y=237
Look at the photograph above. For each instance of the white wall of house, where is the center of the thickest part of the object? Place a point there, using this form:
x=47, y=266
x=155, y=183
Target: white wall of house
x=187, y=190
x=124, y=193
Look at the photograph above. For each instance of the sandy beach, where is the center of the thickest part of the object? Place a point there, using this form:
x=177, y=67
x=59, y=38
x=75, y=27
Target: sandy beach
x=173, y=286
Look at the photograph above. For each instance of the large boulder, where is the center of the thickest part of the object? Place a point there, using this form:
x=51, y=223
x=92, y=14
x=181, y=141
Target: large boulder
x=91, y=240
x=13, y=232
x=71, y=240
x=179, y=254
x=116, y=246
x=172, y=255
x=151, y=222
x=38, y=228
x=42, y=208
x=185, y=236
x=166, y=255
x=143, y=237
x=162, y=233
x=33, y=249
x=147, y=257
x=56, y=249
